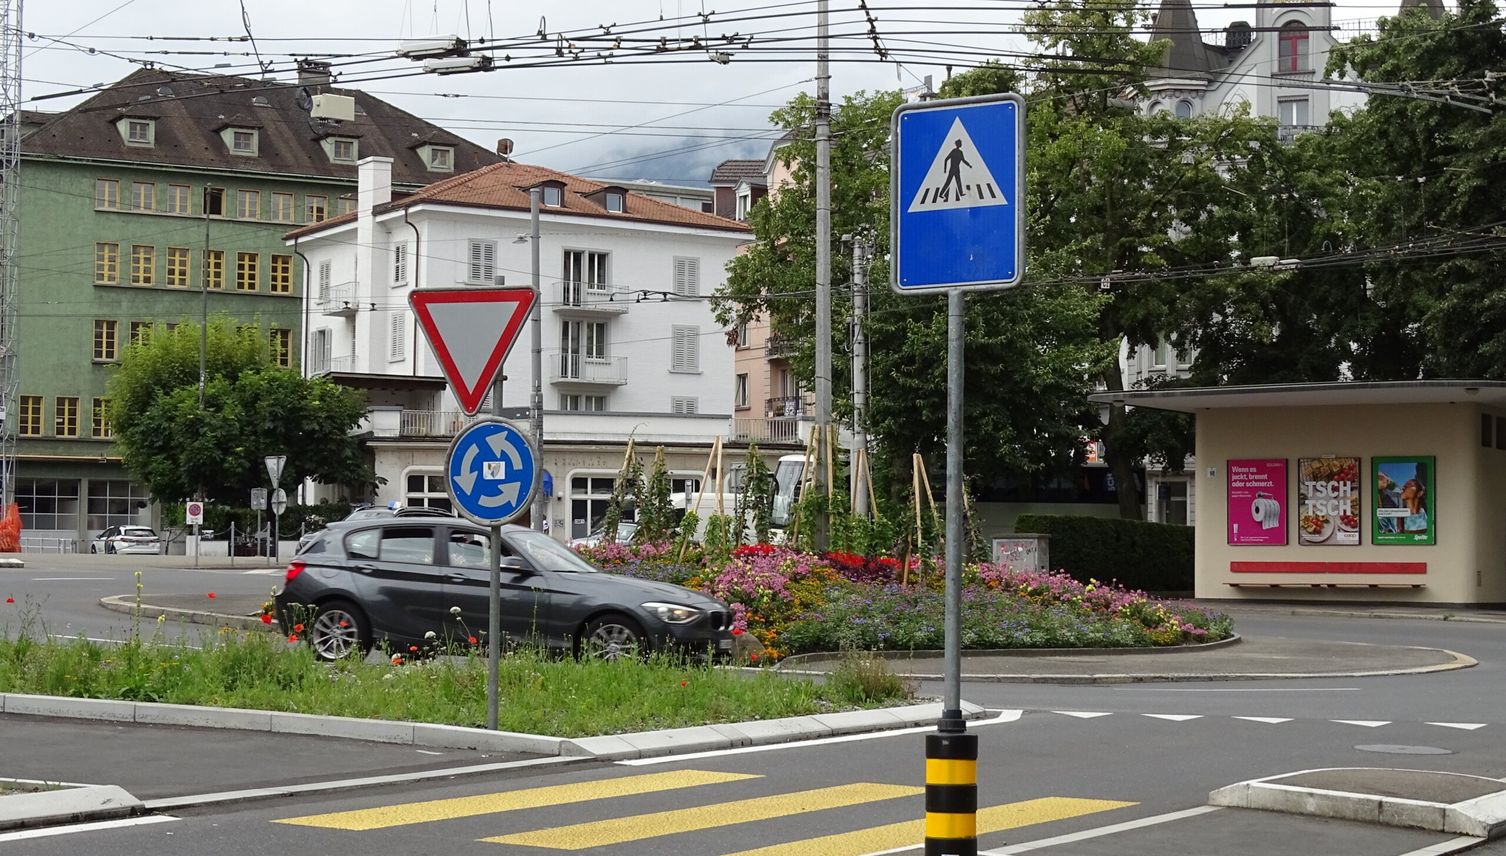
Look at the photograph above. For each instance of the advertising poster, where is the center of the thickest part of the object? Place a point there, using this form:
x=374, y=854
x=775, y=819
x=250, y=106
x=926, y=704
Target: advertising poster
x=1404, y=501
x=1328, y=501
x=1257, y=502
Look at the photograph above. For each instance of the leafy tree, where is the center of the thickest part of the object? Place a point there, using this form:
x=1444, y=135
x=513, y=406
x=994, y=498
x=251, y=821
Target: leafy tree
x=656, y=518
x=251, y=408
x=755, y=505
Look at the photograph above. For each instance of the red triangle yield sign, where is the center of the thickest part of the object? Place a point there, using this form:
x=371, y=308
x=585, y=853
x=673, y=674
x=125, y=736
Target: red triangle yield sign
x=471, y=330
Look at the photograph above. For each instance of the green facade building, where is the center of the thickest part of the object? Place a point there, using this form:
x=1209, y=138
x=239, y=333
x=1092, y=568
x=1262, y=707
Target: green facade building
x=161, y=198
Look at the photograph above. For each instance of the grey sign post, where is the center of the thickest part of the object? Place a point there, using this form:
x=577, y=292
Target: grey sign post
x=279, y=499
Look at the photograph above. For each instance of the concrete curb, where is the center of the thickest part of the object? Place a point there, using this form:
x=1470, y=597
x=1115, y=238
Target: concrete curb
x=125, y=603
x=1380, y=614
x=1235, y=639
x=66, y=805
x=11, y=563
x=1481, y=817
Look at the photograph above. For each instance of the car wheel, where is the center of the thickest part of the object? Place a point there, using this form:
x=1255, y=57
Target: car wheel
x=612, y=637
x=339, y=630
x=93, y=548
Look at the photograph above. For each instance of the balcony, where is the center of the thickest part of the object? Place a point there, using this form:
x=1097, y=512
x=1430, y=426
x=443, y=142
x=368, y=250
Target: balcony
x=434, y=423
x=585, y=298
x=766, y=430
x=343, y=364
x=1288, y=133
x=785, y=407
x=779, y=346
x=587, y=371
x=339, y=300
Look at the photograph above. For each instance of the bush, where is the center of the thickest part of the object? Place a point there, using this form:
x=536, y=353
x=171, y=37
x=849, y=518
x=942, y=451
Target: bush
x=1155, y=557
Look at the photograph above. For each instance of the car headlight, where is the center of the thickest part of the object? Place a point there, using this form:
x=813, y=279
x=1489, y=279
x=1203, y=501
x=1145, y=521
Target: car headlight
x=673, y=613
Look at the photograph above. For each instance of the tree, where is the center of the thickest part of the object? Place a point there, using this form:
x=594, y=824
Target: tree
x=251, y=408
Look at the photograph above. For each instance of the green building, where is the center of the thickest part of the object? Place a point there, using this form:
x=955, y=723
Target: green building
x=157, y=196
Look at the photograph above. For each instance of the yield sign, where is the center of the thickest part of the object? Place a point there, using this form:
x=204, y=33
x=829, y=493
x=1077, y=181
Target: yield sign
x=471, y=330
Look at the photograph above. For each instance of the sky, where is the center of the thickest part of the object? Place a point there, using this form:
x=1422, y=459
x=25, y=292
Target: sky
x=666, y=111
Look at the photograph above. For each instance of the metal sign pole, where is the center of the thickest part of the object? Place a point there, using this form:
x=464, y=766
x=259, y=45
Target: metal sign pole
x=494, y=600
x=951, y=697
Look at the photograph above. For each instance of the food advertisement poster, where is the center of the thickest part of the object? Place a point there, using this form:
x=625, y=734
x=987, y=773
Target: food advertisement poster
x=1257, y=502
x=1403, y=501
x=1328, y=501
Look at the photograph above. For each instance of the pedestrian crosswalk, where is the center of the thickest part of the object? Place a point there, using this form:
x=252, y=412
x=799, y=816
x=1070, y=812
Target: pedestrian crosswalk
x=705, y=801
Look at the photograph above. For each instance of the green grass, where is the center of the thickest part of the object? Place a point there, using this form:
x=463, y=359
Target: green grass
x=538, y=694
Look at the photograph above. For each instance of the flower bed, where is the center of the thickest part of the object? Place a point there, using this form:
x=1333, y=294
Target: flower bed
x=796, y=603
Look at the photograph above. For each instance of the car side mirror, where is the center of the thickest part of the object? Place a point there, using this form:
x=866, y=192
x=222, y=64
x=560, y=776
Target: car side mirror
x=516, y=565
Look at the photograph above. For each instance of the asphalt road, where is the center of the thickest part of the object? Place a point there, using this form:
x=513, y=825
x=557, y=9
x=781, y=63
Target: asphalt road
x=1078, y=759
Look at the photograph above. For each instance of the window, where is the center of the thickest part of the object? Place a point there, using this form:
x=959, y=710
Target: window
x=280, y=274
x=29, y=420
x=683, y=405
x=685, y=353
x=143, y=264
x=1184, y=109
x=106, y=193
x=744, y=203
x=315, y=208
x=143, y=196
x=687, y=277
x=282, y=347
x=99, y=419
x=140, y=132
x=1293, y=111
x=177, y=266
x=1293, y=48
x=397, y=343
x=141, y=332
x=553, y=195
x=342, y=150
x=400, y=264
x=742, y=335
x=247, y=271
x=426, y=491
x=741, y=397
x=214, y=268
x=179, y=199
x=321, y=351
x=106, y=341
x=584, y=271
x=482, y=268
x=590, y=497
x=282, y=207
x=324, y=281
x=409, y=544
x=48, y=504
x=615, y=202
x=107, y=264
x=114, y=502
x=347, y=204
x=441, y=158
x=572, y=402
x=214, y=201
x=66, y=423
x=248, y=204
x=242, y=142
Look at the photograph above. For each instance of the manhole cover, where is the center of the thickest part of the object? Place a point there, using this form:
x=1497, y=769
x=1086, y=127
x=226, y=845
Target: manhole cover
x=1390, y=749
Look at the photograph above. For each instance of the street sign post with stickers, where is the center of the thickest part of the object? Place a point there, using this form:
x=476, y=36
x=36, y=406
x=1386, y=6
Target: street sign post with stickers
x=957, y=223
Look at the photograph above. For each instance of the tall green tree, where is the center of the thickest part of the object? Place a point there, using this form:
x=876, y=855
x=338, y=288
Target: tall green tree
x=251, y=408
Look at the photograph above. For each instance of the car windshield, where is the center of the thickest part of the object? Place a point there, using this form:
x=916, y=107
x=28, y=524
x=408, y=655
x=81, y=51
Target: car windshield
x=137, y=532
x=547, y=554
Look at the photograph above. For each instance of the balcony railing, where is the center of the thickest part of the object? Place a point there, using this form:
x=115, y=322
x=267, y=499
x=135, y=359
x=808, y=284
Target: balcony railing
x=346, y=363
x=337, y=299
x=434, y=423
x=785, y=407
x=766, y=430
x=577, y=368
x=779, y=346
x=1287, y=133
x=583, y=297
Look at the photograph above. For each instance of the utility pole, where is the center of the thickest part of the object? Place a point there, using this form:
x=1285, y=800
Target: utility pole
x=540, y=498
x=823, y=253
x=11, y=37
x=859, y=371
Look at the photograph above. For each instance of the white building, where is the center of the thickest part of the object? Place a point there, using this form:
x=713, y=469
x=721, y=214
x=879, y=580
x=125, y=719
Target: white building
x=629, y=344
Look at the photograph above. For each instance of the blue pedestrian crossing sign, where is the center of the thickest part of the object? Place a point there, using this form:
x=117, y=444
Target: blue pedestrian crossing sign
x=491, y=472
x=957, y=194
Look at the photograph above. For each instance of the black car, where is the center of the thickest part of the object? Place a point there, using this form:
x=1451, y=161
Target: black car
x=395, y=580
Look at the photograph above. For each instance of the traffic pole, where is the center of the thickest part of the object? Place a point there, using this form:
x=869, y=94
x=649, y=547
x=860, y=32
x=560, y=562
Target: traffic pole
x=951, y=794
x=494, y=597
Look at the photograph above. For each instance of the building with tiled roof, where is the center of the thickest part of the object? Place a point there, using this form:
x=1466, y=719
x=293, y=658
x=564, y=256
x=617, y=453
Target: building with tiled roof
x=152, y=197
x=738, y=185
x=630, y=345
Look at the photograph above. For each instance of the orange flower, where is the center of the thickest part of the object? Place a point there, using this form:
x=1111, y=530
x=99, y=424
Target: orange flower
x=293, y=637
x=297, y=628
x=471, y=639
x=684, y=683
x=344, y=623
x=10, y=600
x=413, y=648
x=397, y=659
x=211, y=595
x=266, y=619
x=753, y=656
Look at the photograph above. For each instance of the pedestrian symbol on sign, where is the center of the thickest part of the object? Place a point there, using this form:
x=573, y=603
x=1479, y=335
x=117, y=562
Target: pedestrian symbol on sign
x=947, y=187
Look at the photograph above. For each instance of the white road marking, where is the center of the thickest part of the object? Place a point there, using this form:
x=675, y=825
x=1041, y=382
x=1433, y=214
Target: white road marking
x=71, y=579
x=1082, y=714
x=1004, y=716
x=1238, y=690
x=99, y=826
x=427, y=752
x=1463, y=726
x=1367, y=723
x=1101, y=831
x=1173, y=717
x=266, y=572
x=1442, y=848
x=1268, y=720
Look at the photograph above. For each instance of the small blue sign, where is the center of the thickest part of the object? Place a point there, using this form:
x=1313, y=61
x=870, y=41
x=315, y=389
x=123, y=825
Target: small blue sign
x=958, y=194
x=492, y=472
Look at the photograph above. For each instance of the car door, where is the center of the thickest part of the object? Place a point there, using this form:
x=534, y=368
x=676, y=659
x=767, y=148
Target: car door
x=399, y=581
x=103, y=539
x=467, y=584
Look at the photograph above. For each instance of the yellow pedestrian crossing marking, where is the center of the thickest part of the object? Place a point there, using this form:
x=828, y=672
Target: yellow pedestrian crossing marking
x=552, y=795
x=603, y=833
x=991, y=819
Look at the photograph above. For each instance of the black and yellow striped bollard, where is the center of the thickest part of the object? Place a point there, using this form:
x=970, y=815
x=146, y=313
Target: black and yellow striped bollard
x=951, y=794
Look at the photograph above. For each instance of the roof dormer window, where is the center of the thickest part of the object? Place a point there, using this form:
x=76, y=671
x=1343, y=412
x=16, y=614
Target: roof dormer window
x=441, y=159
x=616, y=201
x=140, y=132
x=243, y=141
x=553, y=195
x=343, y=150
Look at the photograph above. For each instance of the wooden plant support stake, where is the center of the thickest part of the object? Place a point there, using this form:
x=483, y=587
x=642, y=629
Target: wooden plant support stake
x=830, y=433
x=805, y=471
x=868, y=478
x=720, y=504
x=699, y=491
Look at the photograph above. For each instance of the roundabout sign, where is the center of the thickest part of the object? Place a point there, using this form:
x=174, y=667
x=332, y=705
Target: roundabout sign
x=492, y=472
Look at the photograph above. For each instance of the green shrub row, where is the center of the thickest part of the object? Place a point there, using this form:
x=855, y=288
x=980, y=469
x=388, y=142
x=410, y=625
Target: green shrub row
x=1153, y=557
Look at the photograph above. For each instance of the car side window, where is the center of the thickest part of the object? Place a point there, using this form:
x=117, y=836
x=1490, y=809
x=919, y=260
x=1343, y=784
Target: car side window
x=411, y=544
x=468, y=549
x=363, y=544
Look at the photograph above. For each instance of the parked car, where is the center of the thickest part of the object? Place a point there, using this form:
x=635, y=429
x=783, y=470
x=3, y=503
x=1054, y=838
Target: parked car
x=391, y=581
x=127, y=540
x=375, y=512
x=598, y=536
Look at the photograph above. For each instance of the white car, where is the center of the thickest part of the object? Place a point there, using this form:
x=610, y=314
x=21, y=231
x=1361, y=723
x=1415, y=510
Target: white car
x=127, y=540
x=625, y=530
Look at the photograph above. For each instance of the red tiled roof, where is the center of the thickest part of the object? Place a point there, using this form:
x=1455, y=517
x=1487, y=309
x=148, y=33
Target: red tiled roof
x=733, y=171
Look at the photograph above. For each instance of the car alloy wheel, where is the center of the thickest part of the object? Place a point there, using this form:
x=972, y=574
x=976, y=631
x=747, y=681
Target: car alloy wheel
x=338, y=631
x=612, y=637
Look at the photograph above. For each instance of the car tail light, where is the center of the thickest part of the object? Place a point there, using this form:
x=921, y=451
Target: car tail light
x=294, y=569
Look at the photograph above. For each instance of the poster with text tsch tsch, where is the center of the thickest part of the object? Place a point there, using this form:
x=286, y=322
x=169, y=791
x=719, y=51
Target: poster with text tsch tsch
x=1328, y=501
x=1257, y=502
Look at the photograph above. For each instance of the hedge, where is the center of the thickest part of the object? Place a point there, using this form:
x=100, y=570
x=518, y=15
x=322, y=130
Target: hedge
x=1154, y=557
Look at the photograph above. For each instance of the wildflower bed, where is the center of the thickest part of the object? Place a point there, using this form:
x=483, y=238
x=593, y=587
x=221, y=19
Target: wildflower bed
x=795, y=602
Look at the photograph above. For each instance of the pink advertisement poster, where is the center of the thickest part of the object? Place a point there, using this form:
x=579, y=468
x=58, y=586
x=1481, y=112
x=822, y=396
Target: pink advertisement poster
x=1257, y=502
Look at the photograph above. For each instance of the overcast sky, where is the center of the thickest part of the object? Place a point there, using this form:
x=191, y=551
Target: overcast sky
x=644, y=116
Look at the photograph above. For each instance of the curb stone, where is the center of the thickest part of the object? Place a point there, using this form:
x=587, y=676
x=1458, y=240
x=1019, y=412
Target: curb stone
x=127, y=604
x=66, y=805
x=926, y=654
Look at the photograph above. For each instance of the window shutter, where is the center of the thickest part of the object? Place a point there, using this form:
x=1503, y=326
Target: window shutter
x=687, y=277
x=324, y=280
x=400, y=264
x=483, y=262
x=685, y=351
x=683, y=406
x=398, y=346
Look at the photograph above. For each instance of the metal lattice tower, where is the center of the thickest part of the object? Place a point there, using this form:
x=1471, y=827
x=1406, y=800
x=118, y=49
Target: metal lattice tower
x=10, y=202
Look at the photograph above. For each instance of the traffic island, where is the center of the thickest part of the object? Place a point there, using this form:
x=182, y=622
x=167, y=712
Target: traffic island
x=1419, y=799
x=31, y=804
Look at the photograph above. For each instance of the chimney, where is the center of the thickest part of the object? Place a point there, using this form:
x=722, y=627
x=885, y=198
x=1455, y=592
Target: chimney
x=373, y=184
x=312, y=72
